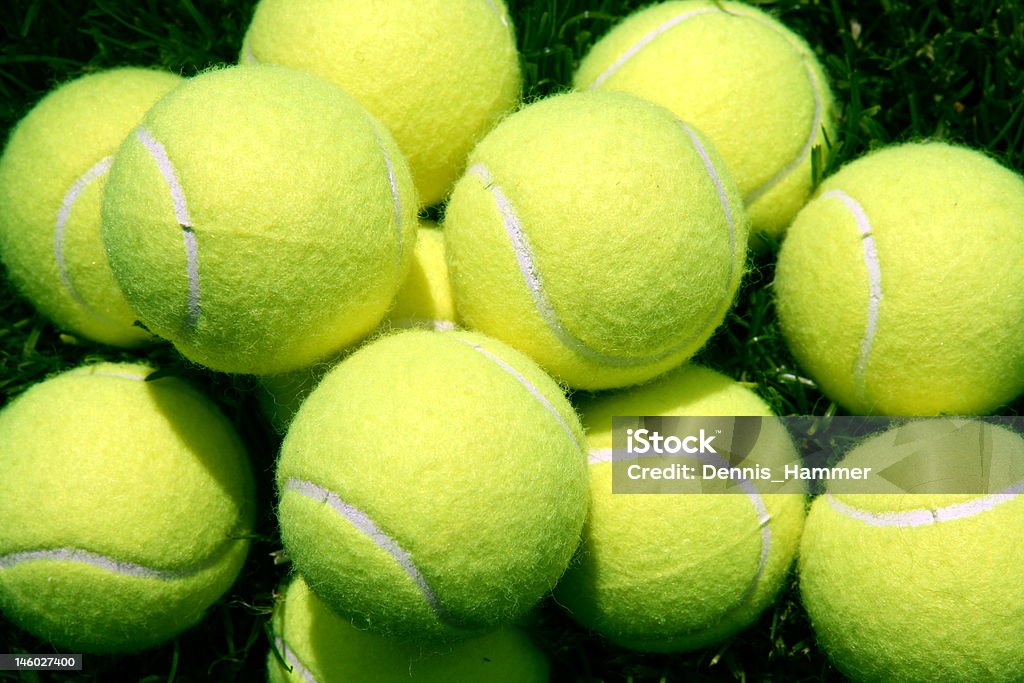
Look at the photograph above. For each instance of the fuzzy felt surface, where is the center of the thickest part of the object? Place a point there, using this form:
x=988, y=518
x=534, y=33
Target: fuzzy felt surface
x=424, y=301
x=52, y=173
x=598, y=234
x=898, y=285
x=124, y=511
x=433, y=485
x=425, y=298
x=438, y=73
x=259, y=219
x=918, y=587
x=750, y=84
x=320, y=645
x=672, y=572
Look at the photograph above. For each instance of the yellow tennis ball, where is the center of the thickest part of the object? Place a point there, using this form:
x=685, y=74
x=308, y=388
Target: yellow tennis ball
x=922, y=586
x=750, y=84
x=598, y=234
x=425, y=298
x=259, y=219
x=311, y=642
x=898, y=286
x=433, y=485
x=52, y=174
x=669, y=572
x=126, y=508
x=438, y=73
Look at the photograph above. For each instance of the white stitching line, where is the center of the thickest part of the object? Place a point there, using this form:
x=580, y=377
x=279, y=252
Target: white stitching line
x=159, y=154
x=396, y=200
x=115, y=566
x=644, y=42
x=294, y=661
x=599, y=455
x=874, y=277
x=77, y=188
x=362, y=522
x=923, y=517
x=490, y=3
x=526, y=383
x=535, y=284
x=781, y=174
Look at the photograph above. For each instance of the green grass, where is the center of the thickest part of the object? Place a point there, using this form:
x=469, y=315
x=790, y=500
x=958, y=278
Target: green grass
x=901, y=70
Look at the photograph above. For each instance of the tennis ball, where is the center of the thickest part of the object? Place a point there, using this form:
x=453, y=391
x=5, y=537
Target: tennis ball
x=670, y=572
x=52, y=174
x=898, y=285
x=313, y=643
x=125, y=510
x=425, y=298
x=746, y=81
x=598, y=234
x=438, y=73
x=259, y=219
x=922, y=586
x=433, y=485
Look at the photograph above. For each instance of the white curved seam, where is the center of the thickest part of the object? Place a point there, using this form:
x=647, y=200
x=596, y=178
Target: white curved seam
x=723, y=198
x=494, y=8
x=923, y=517
x=77, y=188
x=645, y=41
x=181, y=214
x=781, y=174
x=120, y=375
x=362, y=522
x=874, y=280
x=121, y=567
x=437, y=325
x=526, y=383
x=249, y=57
x=535, y=284
x=599, y=455
x=764, y=519
x=396, y=200
x=293, y=661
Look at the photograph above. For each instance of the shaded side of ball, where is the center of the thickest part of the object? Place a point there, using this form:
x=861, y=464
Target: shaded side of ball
x=316, y=643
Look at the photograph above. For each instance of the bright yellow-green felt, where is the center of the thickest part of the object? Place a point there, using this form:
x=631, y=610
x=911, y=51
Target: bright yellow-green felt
x=125, y=508
x=919, y=587
x=750, y=84
x=259, y=219
x=52, y=174
x=670, y=572
x=598, y=234
x=898, y=285
x=433, y=485
x=438, y=73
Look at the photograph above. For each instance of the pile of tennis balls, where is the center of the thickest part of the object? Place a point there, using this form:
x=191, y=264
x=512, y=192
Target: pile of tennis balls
x=434, y=481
